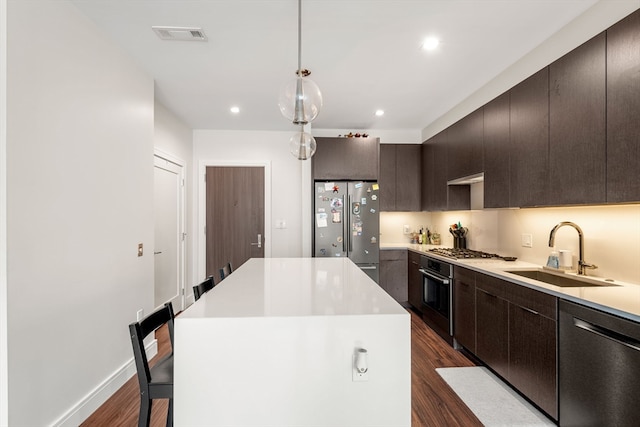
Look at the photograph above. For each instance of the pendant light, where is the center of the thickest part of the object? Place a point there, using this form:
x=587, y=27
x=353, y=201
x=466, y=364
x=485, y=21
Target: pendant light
x=300, y=102
x=302, y=144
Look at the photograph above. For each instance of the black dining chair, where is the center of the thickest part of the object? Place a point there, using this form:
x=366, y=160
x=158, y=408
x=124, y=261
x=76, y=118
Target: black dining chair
x=155, y=382
x=225, y=271
x=203, y=287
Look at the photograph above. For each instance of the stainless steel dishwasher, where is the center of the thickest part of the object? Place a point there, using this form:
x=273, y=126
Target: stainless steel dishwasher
x=599, y=368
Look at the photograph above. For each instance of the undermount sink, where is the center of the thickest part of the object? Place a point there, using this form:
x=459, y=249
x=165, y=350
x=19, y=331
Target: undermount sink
x=560, y=279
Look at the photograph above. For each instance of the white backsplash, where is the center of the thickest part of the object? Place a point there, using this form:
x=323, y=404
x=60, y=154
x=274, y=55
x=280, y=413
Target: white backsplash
x=611, y=234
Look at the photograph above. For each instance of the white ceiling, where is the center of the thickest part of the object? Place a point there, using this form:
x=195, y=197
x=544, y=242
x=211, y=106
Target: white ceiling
x=364, y=54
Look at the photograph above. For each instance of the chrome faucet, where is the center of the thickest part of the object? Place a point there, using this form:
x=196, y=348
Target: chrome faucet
x=581, y=263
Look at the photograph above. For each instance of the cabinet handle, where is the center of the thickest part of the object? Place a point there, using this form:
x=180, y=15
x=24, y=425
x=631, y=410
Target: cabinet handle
x=463, y=284
x=529, y=310
x=487, y=293
x=614, y=336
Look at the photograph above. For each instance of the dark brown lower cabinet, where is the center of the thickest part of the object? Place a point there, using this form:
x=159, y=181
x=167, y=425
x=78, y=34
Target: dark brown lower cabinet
x=414, y=280
x=393, y=273
x=532, y=356
x=492, y=331
x=516, y=336
x=464, y=308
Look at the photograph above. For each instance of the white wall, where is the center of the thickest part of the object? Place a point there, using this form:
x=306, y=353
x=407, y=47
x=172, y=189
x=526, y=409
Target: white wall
x=4, y=372
x=242, y=147
x=80, y=186
x=174, y=138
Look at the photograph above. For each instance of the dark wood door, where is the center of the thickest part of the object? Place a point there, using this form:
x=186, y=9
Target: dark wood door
x=497, y=166
x=532, y=356
x=529, y=140
x=438, y=174
x=415, y=281
x=408, y=177
x=387, y=178
x=492, y=329
x=393, y=273
x=577, y=120
x=465, y=146
x=464, y=308
x=623, y=110
x=234, y=216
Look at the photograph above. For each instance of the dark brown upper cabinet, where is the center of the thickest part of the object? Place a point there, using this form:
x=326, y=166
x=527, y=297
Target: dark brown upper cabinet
x=434, y=173
x=346, y=159
x=529, y=141
x=465, y=146
x=496, y=153
x=577, y=125
x=400, y=177
x=623, y=110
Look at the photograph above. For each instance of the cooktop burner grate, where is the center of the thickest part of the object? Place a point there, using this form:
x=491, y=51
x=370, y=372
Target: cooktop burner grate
x=458, y=253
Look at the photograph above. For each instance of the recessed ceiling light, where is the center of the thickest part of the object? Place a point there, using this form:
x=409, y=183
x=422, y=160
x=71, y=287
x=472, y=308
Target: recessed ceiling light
x=379, y=113
x=234, y=109
x=430, y=43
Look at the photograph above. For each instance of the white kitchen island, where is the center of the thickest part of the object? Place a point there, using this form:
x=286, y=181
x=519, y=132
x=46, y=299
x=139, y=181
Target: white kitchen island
x=274, y=344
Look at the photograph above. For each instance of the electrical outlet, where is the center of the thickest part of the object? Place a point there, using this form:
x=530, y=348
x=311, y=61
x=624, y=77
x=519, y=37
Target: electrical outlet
x=405, y=229
x=360, y=368
x=139, y=315
x=527, y=241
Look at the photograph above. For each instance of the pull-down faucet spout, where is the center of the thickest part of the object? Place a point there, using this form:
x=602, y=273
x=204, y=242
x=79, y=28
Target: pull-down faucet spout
x=581, y=262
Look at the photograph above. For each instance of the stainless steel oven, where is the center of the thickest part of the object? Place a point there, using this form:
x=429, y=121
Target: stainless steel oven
x=437, y=307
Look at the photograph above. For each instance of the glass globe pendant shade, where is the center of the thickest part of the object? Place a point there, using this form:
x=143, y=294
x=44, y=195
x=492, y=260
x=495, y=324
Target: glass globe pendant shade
x=302, y=145
x=300, y=100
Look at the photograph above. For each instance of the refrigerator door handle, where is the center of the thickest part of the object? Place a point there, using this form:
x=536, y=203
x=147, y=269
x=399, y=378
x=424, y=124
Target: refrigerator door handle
x=350, y=227
x=344, y=226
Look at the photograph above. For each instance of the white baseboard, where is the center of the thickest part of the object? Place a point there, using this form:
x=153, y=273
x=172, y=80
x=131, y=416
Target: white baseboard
x=78, y=413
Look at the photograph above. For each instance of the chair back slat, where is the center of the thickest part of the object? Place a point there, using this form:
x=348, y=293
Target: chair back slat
x=203, y=287
x=140, y=330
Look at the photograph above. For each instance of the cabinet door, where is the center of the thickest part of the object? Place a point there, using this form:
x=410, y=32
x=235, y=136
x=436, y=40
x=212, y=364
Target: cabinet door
x=439, y=173
x=496, y=153
x=532, y=356
x=492, y=330
x=464, y=308
x=346, y=158
x=387, y=181
x=393, y=273
x=577, y=120
x=465, y=146
x=415, y=281
x=529, y=140
x=623, y=110
x=408, y=177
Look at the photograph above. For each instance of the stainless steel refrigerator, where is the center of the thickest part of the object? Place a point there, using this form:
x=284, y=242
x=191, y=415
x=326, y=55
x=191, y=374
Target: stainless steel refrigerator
x=347, y=223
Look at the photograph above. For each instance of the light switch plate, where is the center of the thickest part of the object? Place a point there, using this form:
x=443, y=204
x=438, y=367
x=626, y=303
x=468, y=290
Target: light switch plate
x=527, y=241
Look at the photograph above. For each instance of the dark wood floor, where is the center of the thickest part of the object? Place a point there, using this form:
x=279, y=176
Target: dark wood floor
x=433, y=403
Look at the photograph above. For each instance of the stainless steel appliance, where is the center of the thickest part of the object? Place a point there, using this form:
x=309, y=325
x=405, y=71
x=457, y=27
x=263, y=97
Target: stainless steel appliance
x=437, y=307
x=347, y=223
x=599, y=361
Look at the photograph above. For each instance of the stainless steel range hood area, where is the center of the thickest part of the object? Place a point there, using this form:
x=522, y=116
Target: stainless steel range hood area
x=476, y=184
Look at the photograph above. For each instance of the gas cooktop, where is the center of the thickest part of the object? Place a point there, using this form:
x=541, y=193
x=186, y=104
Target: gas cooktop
x=458, y=253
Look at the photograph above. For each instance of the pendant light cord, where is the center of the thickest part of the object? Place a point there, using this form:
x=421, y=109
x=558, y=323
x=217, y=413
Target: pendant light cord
x=300, y=38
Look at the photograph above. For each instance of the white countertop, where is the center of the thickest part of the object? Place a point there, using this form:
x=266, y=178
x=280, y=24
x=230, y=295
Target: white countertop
x=282, y=287
x=622, y=300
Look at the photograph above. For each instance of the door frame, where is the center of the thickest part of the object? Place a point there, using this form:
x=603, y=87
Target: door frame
x=182, y=252
x=202, y=207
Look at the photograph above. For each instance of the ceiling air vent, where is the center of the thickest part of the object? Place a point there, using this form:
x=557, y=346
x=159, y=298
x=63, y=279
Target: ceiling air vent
x=180, y=33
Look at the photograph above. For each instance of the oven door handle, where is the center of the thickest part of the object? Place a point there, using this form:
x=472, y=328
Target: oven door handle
x=434, y=277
